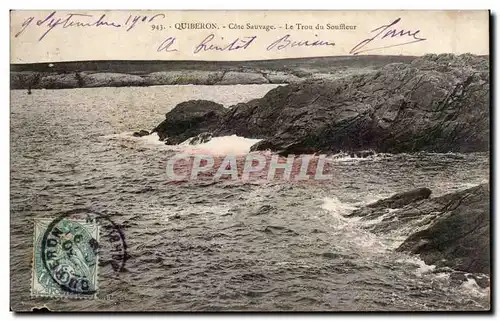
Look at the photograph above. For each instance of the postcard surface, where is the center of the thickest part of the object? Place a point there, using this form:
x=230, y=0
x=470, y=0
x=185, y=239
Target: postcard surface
x=250, y=161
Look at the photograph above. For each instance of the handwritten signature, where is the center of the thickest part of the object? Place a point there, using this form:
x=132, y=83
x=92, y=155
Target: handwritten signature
x=70, y=20
x=166, y=44
x=208, y=44
x=385, y=31
x=286, y=41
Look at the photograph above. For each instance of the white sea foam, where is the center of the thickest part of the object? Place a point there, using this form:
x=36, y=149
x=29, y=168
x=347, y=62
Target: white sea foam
x=442, y=275
x=225, y=145
x=217, y=146
x=148, y=140
x=421, y=267
x=353, y=234
x=344, y=157
x=337, y=208
x=472, y=288
x=152, y=139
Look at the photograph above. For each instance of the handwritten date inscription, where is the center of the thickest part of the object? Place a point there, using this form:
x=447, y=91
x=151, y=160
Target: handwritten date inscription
x=78, y=20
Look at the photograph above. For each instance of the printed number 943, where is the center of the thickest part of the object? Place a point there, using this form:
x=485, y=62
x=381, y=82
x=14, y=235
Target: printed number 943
x=157, y=27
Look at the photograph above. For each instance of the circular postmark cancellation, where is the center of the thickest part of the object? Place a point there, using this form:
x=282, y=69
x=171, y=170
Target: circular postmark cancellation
x=69, y=254
x=69, y=249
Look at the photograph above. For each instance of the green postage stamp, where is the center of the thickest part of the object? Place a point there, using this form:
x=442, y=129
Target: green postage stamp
x=65, y=258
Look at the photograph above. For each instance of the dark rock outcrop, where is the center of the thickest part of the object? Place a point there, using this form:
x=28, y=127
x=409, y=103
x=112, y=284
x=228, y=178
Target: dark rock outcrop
x=401, y=199
x=452, y=230
x=141, y=133
x=459, y=237
x=436, y=104
x=189, y=119
x=409, y=202
x=363, y=153
x=201, y=138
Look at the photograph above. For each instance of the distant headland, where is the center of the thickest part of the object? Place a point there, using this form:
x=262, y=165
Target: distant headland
x=88, y=74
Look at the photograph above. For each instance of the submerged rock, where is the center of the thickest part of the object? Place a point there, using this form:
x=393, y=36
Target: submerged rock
x=363, y=153
x=264, y=209
x=201, y=138
x=141, y=133
x=401, y=199
x=459, y=236
x=189, y=119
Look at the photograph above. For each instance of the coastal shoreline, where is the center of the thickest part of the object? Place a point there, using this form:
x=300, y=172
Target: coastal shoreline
x=93, y=74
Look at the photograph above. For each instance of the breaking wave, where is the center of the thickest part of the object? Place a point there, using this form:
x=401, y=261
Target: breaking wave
x=220, y=146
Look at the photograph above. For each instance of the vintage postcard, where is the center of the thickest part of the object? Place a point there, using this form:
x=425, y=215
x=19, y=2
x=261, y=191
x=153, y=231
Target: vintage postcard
x=250, y=161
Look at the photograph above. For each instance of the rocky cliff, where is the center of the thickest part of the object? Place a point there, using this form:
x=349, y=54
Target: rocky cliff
x=437, y=103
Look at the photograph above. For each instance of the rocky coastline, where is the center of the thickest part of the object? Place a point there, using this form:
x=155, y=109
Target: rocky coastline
x=436, y=103
x=48, y=80
x=91, y=74
x=453, y=229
